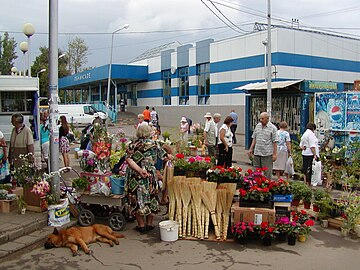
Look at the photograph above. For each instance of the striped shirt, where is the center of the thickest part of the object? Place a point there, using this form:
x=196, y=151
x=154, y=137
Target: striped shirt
x=265, y=137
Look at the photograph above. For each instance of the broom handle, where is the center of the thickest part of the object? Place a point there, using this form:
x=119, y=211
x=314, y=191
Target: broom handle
x=216, y=228
x=207, y=221
x=185, y=211
x=189, y=224
x=202, y=221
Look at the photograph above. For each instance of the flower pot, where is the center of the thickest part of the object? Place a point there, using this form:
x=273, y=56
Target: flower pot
x=281, y=236
x=344, y=232
x=23, y=211
x=302, y=238
x=241, y=240
x=291, y=240
x=295, y=202
x=325, y=223
x=316, y=208
x=307, y=205
x=267, y=241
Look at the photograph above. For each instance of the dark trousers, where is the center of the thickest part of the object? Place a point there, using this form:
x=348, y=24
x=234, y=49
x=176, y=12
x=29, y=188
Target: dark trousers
x=233, y=129
x=307, y=167
x=225, y=157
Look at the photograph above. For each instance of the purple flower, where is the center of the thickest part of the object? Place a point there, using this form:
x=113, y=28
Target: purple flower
x=90, y=162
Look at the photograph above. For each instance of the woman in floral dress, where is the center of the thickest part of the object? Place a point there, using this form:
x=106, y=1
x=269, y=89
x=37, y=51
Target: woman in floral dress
x=142, y=184
x=4, y=169
x=64, y=141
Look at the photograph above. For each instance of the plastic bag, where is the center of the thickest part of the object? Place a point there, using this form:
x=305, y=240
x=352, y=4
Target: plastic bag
x=59, y=214
x=289, y=167
x=316, y=173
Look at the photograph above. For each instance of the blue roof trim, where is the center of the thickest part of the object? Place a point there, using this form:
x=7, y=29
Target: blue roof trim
x=127, y=72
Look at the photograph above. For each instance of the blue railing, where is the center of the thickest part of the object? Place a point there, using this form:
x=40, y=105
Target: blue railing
x=101, y=106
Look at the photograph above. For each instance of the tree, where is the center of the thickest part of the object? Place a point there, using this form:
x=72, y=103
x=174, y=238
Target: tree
x=41, y=62
x=77, y=55
x=7, y=54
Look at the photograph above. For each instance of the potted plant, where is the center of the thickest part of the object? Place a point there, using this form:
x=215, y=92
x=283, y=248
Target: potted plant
x=305, y=229
x=241, y=231
x=267, y=233
x=318, y=194
x=307, y=196
x=282, y=225
x=80, y=184
x=292, y=233
x=22, y=205
x=297, y=189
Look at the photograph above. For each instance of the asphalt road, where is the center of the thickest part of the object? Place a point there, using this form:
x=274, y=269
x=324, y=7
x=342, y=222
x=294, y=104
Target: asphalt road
x=325, y=249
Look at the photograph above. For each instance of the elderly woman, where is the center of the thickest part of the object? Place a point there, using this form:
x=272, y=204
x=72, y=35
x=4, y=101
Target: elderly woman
x=225, y=143
x=142, y=183
x=141, y=121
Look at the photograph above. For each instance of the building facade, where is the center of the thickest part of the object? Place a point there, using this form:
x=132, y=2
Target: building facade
x=192, y=79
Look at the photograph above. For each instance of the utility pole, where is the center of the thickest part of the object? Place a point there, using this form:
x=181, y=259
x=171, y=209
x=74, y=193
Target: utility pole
x=269, y=73
x=53, y=94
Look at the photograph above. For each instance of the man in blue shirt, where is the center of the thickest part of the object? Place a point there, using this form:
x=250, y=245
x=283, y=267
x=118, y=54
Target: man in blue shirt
x=233, y=126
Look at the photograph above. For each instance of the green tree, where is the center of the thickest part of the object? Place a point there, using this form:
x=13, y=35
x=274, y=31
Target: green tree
x=41, y=62
x=77, y=55
x=7, y=54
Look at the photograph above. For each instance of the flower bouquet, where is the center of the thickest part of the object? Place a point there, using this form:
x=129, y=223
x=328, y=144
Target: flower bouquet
x=219, y=174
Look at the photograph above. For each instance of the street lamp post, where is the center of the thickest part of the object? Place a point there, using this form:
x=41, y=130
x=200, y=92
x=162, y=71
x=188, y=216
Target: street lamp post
x=268, y=93
x=24, y=47
x=29, y=30
x=41, y=71
x=125, y=26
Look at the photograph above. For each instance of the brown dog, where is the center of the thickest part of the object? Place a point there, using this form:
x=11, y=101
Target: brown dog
x=82, y=236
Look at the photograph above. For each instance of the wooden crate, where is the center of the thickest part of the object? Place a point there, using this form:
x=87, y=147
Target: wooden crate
x=7, y=206
x=336, y=222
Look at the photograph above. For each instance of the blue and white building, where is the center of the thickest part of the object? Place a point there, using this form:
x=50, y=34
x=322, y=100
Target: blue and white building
x=193, y=79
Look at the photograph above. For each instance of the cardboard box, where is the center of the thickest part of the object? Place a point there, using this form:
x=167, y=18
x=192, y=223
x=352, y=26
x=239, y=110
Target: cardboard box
x=256, y=215
x=7, y=206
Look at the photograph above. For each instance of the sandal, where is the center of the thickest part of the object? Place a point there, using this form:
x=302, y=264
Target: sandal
x=140, y=229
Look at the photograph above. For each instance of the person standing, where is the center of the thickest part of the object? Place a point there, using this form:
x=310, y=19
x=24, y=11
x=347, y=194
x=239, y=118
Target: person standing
x=44, y=139
x=154, y=117
x=64, y=145
x=141, y=121
x=142, y=185
x=4, y=168
x=310, y=150
x=146, y=114
x=210, y=135
x=21, y=140
x=283, y=149
x=184, y=129
x=234, y=116
x=264, y=144
x=225, y=143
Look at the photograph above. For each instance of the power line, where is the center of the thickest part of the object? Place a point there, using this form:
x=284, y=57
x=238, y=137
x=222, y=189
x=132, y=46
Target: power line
x=343, y=10
x=220, y=18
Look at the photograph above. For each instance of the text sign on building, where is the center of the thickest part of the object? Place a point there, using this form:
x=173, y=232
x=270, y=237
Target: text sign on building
x=82, y=77
x=317, y=85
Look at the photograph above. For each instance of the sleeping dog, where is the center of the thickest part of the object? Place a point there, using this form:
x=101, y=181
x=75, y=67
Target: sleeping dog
x=82, y=236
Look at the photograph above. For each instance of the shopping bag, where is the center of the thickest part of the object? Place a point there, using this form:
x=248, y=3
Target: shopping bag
x=316, y=173
x=289, y=167
x=59, y=214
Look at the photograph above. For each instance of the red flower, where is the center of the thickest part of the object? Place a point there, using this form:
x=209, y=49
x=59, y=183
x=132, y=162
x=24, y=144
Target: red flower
x=207, y=159
x=249, y=171
x=262, y=233
x=191, y=160
x=242, y=192
x=264, y=168
x=271, y=229
x=295, y=218
x=303, y=212
x=309, y=223
x=180, y=156
x=264, y=225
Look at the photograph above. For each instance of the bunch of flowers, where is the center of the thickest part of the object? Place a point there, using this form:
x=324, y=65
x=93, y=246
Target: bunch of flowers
x=256, y=186
x=88, y=161
x=242, y=229
x=305, y=228
x=285, y=225
x=221, y=175
x=197, y=163
x=300, y=217
x=26, y=172
x=41, y=188
x=267, y=230
x=282, y=187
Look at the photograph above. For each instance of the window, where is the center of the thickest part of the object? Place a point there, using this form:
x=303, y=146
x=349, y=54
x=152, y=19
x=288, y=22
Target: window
x=184, y=86
x=133, y=95
x=166, y=78
x=203, y=72
x=16, y=101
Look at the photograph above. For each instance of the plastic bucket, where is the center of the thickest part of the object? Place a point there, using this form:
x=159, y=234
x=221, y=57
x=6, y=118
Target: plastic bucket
x=169, y=230
x=117, y=185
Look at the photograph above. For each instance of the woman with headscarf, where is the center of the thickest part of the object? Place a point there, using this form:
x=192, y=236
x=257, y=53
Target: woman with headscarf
x=142, y=184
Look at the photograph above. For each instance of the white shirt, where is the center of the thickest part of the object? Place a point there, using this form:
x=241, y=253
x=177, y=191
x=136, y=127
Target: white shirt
x=143, y=123
x=308, y=139
x=228, y=135
x=211, y=130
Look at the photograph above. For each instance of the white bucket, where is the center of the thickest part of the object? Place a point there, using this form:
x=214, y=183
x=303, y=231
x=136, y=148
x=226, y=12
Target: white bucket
x=169, y=230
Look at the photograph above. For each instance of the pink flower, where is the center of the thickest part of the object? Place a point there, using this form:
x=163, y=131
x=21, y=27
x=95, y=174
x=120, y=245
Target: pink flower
x=198, y=158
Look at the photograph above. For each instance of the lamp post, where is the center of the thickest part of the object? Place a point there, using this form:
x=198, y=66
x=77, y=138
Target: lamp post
x=268, y=46
x=41, y=71
x=62, y=55
x=125, y=26
x=24, y=47
x=29, y=30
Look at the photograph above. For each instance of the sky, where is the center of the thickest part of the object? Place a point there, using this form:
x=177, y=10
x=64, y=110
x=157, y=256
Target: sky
x=157, y=22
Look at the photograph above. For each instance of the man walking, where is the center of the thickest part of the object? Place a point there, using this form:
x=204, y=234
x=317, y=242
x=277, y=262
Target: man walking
x=233, y=126
x=264, y=144
x=146, y=114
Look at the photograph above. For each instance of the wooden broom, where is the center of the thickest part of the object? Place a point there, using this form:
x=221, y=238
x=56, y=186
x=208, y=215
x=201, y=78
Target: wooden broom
x=230, y=191
x=209, y=199
x=185, y=198
x=196, y=195
x=172, y=200
x=220, y=204
x=177, y=190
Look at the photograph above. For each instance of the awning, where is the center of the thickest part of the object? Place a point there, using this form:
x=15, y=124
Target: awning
x=17, y=88
x=263, y=85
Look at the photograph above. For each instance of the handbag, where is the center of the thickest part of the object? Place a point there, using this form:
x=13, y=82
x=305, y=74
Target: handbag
x=316, y=173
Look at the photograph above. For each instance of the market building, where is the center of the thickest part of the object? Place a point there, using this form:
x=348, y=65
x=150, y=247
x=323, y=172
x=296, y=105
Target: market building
x=193, y=79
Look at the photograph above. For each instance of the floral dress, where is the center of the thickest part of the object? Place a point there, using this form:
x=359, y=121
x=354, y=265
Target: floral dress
x=4, y=169
x=142, y=192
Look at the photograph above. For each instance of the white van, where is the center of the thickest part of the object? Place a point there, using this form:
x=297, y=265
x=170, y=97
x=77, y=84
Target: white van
x=80, y=113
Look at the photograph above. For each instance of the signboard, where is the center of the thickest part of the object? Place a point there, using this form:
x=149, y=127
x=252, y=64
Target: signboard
x=337, y=111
